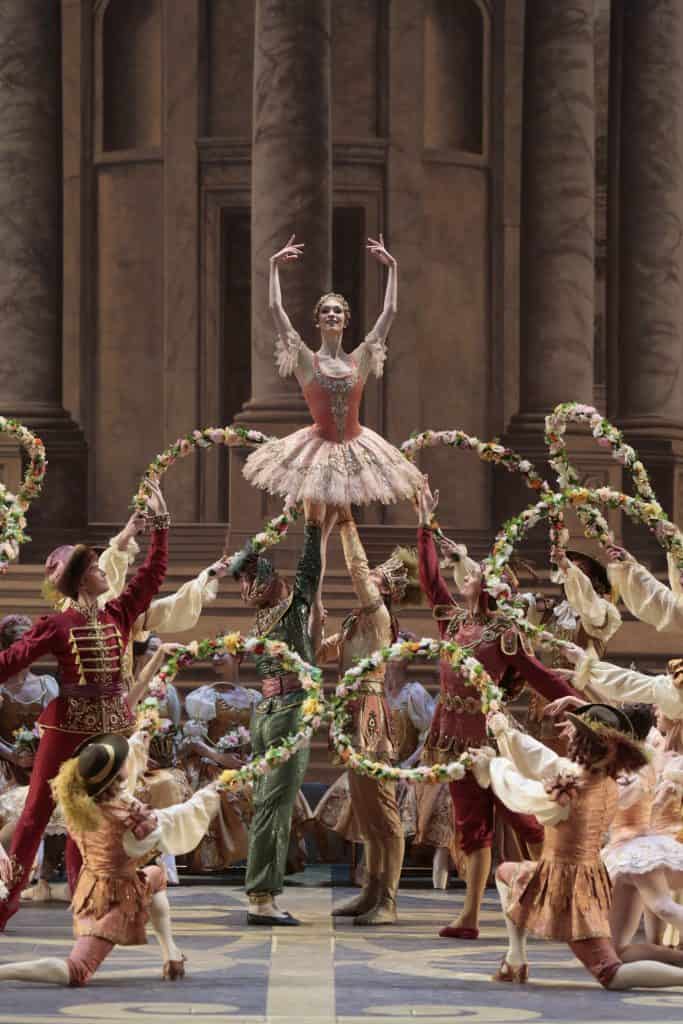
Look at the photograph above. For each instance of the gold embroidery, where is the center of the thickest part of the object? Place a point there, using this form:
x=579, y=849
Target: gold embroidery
x=91, y=645
x=461, y=705
x=101, y=714
x=268, y=618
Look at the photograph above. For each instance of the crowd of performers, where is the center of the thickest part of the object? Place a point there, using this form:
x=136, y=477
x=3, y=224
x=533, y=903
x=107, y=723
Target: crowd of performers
x=585, y=792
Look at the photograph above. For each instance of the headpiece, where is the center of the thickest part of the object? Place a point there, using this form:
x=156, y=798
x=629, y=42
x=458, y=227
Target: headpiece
x=400, y=576
x=67, y=565
x=611, y=728
x=94, y=766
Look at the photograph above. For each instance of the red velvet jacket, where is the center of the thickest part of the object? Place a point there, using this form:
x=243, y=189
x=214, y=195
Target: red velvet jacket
x=458, y=721
x=89, y=651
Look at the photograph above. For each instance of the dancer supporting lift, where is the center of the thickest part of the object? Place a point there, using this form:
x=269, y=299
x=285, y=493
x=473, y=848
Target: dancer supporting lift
x=459, y=723
x=373, y=802
x=88, y=643
x=282, y=613
x=116, y=835
x=565, y=895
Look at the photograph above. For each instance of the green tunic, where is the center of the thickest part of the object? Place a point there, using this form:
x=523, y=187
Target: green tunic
x=277, y=717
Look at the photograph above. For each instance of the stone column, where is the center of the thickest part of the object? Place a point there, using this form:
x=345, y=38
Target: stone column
x=558, y=206
x=557, y=240
x=651, y=226
x=291, y=193
x=291, y=185
x=31, y=247
x=648, y=393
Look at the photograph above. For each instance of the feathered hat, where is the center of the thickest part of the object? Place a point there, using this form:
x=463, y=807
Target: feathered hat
x=95, y=764
x=612, y=729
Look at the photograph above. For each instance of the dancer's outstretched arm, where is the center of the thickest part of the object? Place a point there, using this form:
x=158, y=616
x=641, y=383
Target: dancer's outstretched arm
x=645, y=596
x=599, y=616
x=372, y=353
x=617, y=685
x=292, y=355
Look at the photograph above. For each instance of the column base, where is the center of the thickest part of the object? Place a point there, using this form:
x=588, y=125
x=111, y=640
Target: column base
x=60, y=514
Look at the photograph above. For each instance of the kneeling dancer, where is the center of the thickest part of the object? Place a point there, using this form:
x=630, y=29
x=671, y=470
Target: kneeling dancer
x=565, y=896
x=116, y=835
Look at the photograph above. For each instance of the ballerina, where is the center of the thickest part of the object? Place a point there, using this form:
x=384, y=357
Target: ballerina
x=336, y=461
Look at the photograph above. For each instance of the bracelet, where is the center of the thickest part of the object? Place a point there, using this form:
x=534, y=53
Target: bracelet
x=161, y=521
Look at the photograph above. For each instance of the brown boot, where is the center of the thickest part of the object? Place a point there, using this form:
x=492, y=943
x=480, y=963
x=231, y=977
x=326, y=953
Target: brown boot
x=366, y=899
x=383, y=913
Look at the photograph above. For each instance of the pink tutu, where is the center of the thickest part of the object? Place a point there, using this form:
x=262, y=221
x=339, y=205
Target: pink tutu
x=354, y=472
x=643, y=854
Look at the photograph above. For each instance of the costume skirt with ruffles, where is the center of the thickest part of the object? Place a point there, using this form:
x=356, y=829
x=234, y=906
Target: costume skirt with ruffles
x=358, y=472
x=642, y=854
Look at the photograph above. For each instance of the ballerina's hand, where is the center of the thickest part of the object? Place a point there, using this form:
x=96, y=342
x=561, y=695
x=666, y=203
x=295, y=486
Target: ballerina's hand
x=289, y=253
x=562, y=704
x=380, y=252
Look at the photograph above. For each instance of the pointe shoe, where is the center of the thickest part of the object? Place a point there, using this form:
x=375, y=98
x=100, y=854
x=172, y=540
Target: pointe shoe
x=174, y=969
x=459, y=932
x=512, y=975
x=40, y=892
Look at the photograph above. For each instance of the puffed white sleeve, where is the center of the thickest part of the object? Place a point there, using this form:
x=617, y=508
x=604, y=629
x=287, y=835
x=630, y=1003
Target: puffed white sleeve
x=179, y=828
x=51, y=688
x=524, y=795
x=529, y=756
x=115, y=564
x=179, y=612
x=647, y=598
x=599, y=617
x=200, y=704
x=617, y=685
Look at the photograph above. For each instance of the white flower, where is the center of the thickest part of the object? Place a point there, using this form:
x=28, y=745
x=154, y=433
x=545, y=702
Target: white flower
x=524, y=466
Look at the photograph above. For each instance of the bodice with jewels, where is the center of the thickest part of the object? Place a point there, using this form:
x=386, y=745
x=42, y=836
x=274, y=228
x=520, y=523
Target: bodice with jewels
x=334, y=402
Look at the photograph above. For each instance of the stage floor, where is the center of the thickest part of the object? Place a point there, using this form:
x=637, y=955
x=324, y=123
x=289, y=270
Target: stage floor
x=318, y=973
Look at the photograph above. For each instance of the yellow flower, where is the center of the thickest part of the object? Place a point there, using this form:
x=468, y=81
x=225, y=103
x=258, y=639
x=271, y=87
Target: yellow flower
x=310, y=707
x=231, y=642
x=227, y=777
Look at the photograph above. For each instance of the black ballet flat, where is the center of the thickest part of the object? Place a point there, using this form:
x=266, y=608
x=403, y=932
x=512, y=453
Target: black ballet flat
x=268, y=921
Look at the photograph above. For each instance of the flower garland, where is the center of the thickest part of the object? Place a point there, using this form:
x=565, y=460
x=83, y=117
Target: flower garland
x=493, y=451
x=607, y=436
x=13, y=508
x=274, y=529
x=351, y=684
x=312, y=708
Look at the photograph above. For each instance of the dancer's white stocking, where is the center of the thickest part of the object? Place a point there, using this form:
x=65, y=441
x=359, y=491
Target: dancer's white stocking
x=516, y=954
x=49, y=969
x=646, y=974
x=160, y=919
x=440, y=866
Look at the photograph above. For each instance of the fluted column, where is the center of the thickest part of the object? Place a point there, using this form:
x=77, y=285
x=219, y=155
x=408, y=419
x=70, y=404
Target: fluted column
x=31, y=248
x=557, y=232
x=291, y=183
x=650, y=355
x=558, y=206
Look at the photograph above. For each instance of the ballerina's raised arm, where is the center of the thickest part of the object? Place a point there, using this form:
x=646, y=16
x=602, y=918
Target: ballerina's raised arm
x=372, y=352
x=292, y=355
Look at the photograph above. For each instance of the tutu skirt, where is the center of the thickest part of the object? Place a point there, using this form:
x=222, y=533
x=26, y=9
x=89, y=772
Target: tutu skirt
x=643, y=854
x=358, y=472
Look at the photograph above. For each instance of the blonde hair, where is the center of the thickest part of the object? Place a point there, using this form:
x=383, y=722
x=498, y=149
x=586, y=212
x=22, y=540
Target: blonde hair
x=81, y=813
x=332, y=295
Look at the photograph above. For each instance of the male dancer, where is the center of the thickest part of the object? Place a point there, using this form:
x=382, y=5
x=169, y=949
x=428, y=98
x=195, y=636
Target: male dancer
x=459, y=723
x=367, y=629
x=282, y=613
x=88, y=643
